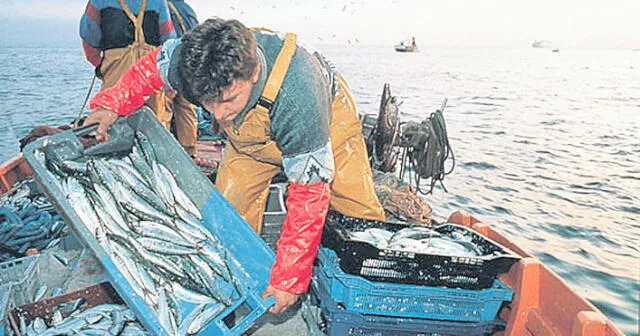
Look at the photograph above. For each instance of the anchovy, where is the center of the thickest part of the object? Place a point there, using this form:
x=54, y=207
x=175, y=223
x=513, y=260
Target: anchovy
x=126, y=164
x=100, y=173
x=107, y=222
x=165, y=247
x=159, y=231
x=163, y=310
x=123, y=256
x=416, y=233
x=74, y=167
x=61, y=258
x=56, y=319
x=216, y=259
x=40, y=293
x=180, y=197
x=139, y=207
x=80, y=203
x=135, y=185
x=163, y=187
x=107, y=319
x=183, y=329
x=110, y=204
x=204, y=318
x=141, y=165
x=145, y=145
x=190, y=296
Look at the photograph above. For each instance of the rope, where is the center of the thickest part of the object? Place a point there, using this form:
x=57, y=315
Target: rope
x=427, y=150
x=77, y=121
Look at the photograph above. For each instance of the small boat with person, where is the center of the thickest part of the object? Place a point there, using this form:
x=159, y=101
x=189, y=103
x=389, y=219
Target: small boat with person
x=408, y=45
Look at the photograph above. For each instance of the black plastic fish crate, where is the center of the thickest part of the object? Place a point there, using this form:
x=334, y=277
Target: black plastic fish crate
x=387, y=265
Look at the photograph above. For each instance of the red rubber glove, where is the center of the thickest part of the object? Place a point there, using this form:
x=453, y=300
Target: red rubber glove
x=137, y=84
x=307, y=207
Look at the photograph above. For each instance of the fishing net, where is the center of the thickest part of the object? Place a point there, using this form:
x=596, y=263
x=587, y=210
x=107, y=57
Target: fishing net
x=399, y=200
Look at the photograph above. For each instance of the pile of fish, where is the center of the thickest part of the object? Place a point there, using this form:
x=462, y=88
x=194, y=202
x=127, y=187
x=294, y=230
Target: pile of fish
x=106, y=319
x=153, y=233
x=27, y=220
x=419, y=240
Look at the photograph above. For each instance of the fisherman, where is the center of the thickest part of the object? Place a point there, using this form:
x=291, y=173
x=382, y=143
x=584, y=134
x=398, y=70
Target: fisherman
x=185, y=118
x=283, y=108
x=116, y=34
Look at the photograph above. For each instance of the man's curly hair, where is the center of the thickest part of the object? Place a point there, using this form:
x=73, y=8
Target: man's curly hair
x=213, y=54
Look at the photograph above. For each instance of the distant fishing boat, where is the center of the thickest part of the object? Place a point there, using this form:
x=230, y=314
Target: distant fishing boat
x=541, y=44
x=408, y=45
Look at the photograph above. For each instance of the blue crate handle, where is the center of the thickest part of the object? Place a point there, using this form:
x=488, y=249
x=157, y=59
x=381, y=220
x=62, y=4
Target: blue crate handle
x=85, y=130
x=121, y=138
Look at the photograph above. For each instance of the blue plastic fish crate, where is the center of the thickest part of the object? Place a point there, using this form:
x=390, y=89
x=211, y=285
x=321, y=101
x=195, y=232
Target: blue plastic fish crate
x=23, y=274
x=219, y=217
x=331, y=318
x=381, y=298
x=5, y=302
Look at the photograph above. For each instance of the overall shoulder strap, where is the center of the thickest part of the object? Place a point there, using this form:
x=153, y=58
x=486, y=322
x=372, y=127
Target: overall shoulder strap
x=278, y=72
x=178, y=16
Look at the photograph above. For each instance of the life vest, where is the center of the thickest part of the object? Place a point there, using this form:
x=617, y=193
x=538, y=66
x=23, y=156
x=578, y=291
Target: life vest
x=118, y=27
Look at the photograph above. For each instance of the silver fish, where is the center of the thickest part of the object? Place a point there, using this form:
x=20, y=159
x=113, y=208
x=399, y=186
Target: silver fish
x=138, y=206
x=74, y=167
x=204, y=318
x=110, y=204
x=184, y=294
x=179, y=195
x=163, y=310
x=145, y=145
x=162, y=232
x=416, y=233
x=131, y=182
x=141, y=165
x=216, y=259
x=162, y=185
x=125, y=163
x=165, y=247
x=40, y=293
x=56, y=319
x=79, y=200
x=183, y=329
x=61, y=258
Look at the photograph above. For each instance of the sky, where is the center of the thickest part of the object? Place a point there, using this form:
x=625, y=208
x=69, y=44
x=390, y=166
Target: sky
x=443, y=23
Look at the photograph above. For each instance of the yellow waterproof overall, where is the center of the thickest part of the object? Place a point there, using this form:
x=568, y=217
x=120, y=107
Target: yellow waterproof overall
x=116, y=61
x=252, y=157
x=181, y=110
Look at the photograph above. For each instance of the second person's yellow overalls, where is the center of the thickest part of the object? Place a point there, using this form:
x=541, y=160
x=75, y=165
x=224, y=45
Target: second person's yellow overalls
x=116, y=61
x=252, y=158
x=180, y=109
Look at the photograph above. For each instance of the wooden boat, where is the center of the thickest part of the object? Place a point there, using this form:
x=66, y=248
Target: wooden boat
x=543, y=303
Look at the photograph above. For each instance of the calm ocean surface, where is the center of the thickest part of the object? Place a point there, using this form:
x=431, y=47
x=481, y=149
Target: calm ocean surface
x=547, y=144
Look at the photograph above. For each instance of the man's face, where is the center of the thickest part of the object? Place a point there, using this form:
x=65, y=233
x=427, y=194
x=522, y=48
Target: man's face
x=232, y=100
